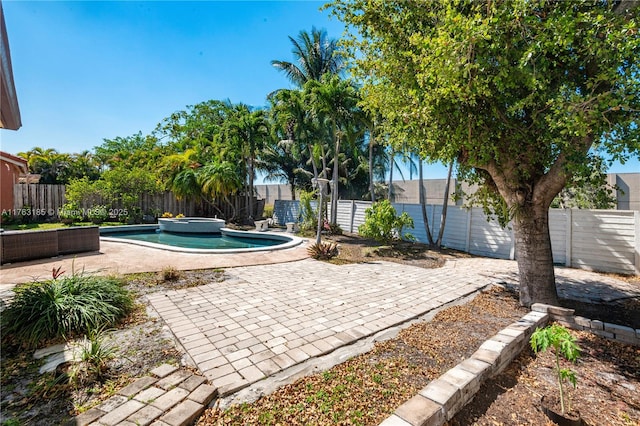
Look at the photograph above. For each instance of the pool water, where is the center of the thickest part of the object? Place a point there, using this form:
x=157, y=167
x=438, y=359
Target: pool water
x=196, y=241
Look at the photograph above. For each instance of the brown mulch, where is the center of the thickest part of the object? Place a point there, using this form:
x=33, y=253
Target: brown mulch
x=365, y=389
x=607, y=392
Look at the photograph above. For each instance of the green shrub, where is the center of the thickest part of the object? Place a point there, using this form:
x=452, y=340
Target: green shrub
x=268, y=211
x=98, y=214
x=65, y=306
x=308, y=215
x=383, y=224
x=70, y=213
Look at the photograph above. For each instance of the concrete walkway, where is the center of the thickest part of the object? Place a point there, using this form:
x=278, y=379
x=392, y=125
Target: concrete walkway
x=122, y=258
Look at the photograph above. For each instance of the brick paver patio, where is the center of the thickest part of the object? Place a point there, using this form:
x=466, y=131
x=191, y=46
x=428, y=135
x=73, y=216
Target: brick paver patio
x=264, y=319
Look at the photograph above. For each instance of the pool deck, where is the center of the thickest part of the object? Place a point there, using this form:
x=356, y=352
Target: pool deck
x=123, y=258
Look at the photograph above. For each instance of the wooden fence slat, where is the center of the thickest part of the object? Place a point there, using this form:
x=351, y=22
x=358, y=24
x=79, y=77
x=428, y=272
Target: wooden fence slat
x=50, y=199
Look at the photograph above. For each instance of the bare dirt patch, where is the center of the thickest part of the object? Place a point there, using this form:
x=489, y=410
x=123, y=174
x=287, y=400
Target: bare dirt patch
x=607, y=392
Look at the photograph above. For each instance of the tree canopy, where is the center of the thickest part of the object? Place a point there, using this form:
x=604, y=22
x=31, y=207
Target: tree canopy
x=518, y=92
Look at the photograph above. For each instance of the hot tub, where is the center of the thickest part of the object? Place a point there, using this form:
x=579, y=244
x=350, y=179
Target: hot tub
x=199, y=225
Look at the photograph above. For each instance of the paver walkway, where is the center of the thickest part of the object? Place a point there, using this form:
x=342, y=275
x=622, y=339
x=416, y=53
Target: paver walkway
x=264, y=319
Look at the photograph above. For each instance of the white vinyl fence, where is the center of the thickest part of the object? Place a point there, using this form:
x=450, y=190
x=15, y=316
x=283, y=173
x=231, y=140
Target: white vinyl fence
x=601, y=240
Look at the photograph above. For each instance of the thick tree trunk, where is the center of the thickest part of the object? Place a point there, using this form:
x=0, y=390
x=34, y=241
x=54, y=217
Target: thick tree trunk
x=533, y=253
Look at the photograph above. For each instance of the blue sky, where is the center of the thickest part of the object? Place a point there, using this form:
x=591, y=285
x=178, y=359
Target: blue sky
x=85, y=71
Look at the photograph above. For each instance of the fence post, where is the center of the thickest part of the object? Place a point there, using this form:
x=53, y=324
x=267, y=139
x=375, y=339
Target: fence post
x=353, y=210
x=512, y=249
x=467, y=244
x=568, y=237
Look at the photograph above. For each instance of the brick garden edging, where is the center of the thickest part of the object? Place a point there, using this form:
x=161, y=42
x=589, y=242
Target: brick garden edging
x=565, y=317
x=171, y=396
x=442, y=398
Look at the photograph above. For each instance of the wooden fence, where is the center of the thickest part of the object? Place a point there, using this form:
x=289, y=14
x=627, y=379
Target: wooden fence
x=601, y=240
x=42, y=202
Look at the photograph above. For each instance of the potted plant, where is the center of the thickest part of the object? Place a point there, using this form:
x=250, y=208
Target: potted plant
x=563, y=344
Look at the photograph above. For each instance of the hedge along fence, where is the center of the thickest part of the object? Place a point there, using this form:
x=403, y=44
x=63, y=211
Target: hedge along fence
x=44, y=201
x=600, y=240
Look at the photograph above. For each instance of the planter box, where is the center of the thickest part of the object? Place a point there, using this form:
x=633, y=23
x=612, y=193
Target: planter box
x=18, y=246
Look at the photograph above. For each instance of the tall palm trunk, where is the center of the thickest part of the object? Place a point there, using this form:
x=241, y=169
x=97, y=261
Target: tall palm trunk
x=423, y=203
x=371, y=145
x=251, y=179
x=445, y=205
x=335, y=189
x=391, y=162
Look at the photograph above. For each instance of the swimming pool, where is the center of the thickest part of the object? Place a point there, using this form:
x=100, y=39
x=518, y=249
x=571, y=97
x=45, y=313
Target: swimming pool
x=228, y=241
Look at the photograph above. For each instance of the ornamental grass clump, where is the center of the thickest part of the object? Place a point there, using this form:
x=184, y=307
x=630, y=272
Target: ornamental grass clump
x=323, y=251
x=62, y=307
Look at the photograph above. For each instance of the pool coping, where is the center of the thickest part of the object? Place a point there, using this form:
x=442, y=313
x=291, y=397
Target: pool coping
x=289, y=240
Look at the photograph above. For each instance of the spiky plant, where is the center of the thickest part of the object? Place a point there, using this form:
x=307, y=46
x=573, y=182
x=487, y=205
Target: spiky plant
x=323, y=250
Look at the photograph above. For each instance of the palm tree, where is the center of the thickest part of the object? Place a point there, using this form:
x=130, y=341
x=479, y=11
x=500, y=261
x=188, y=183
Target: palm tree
x=248, y=132
x=48, y=163
x=333, y=101
x=294, y=125
x=282, y=161
x=179, y=171
x=315, y=55
x=220, y=179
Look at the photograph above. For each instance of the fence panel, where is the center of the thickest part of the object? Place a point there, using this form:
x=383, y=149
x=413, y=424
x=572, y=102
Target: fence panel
x=286, y=211
x=488, y=238
x=46, y=200
x=560, y=238
x=604, y=240
x=456, y=230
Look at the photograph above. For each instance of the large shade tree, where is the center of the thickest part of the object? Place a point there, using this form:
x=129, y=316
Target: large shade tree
x=519, y=92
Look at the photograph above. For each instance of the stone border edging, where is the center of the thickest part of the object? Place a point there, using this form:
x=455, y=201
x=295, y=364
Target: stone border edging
x=443, y=397
x=565, y=317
